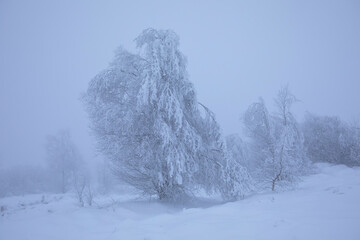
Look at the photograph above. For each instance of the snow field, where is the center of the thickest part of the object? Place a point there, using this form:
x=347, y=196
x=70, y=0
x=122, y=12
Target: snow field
x=325, y=205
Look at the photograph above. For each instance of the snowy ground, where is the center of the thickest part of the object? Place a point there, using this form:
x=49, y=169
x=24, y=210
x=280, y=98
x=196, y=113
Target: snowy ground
x=324, y=206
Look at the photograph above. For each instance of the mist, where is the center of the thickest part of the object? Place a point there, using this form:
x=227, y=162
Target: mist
x=236, y=53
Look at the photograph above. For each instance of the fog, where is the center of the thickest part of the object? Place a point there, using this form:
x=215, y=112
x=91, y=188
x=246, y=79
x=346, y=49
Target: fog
x=184, y=119
x=237, y=51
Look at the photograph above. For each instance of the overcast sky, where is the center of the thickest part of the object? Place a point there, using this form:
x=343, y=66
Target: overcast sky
x=236, y=50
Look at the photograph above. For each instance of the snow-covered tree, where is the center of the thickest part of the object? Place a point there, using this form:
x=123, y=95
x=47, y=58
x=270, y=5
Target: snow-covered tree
x=293, y=161
x=322, y=138
x=146, y=119
x=276, y=143
x=260, y=130
x=63, y=159
x=239, y=151
x=220, y=171
x=328, y=139
x=351, y=144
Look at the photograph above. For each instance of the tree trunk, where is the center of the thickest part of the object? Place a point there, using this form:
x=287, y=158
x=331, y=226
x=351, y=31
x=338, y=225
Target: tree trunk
x=63, y=181
x=280, y=172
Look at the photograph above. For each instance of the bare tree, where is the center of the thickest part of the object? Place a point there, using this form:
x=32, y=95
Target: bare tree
x=80, y=184
x=89, y=194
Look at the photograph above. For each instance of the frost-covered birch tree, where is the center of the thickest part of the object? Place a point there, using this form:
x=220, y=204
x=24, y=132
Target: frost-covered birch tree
x=276, y=142
x=146, y=119
x=220, y=171
x=293, y=161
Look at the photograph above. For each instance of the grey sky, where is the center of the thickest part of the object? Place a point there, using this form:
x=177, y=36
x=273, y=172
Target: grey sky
x=237, y=51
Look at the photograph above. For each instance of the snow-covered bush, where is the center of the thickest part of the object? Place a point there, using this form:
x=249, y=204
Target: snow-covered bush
x=146, y=120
